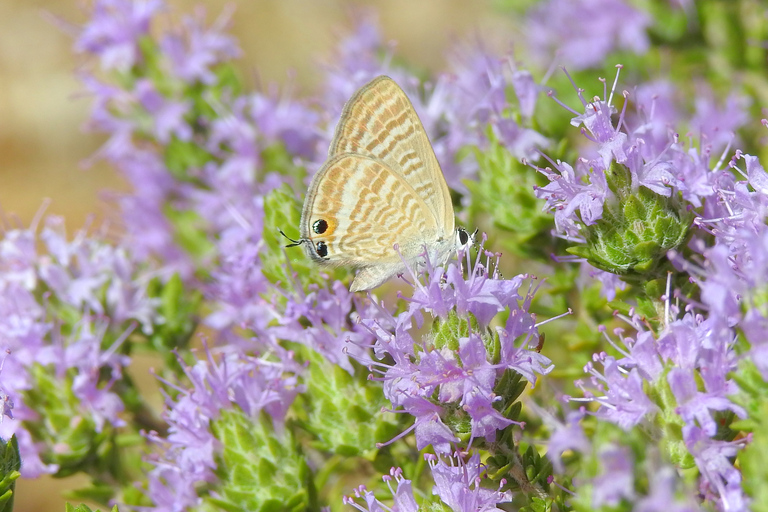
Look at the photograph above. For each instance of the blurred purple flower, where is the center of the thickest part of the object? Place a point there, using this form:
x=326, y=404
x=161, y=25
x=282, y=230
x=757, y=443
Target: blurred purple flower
x=565, y=436
x=44, y=280
x=114, y=30
x=662, y=495
x=616, y=479
x=716, y=125
x=582, y=33
x=195, y=50
x=167, y=116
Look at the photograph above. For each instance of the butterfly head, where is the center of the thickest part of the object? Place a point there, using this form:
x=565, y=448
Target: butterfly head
x=318, y=251
x=465, y=239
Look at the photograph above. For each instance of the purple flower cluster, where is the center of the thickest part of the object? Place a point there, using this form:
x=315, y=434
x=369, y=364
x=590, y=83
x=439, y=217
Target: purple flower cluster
x=687, y=351
x=691, y=356
x=66, y=305
x=457, y=485
x=581, y=33
x=250, y=384
x=650, y=148
x=230, y=174
x=432, y=378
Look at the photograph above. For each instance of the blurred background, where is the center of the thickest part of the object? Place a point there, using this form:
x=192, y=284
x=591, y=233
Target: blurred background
x=43, y=146
x=43, y=110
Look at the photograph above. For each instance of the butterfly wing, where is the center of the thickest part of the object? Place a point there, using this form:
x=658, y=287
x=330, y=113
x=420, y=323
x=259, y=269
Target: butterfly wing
x=379, y=121
x=356, y=210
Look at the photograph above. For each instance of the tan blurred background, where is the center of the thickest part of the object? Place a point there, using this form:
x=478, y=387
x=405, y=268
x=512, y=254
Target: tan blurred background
x=42, y=144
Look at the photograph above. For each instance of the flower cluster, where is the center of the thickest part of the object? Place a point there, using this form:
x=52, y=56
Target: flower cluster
x=303, y=387
x=632, y=191
x=449, y=381
x=67, y=308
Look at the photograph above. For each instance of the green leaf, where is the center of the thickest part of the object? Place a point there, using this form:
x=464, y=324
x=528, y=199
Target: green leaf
x=259, y=469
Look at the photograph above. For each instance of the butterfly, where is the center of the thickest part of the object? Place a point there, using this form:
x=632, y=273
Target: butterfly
x=381, y=187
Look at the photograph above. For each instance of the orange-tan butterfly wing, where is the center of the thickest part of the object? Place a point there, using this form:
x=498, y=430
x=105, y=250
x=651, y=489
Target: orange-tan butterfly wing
x=357, y=209
x=379, y=121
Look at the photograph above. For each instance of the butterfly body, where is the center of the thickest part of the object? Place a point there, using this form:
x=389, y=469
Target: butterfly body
x=380, y=188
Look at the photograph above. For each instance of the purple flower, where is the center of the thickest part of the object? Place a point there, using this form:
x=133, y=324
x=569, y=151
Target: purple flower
x=431, y=379
x=616, y=479
x=457, y=483
x=167, y=116
x=721, y=481
x=625, y=402
x=473, y=97
x=662, y=495
x=694, y=407
x=715, y=124
x=195, y=51
x=61, y=301
x=403, y=495
x=564, y=436
x=187, y=460
x=583, y=32
x=114, y=31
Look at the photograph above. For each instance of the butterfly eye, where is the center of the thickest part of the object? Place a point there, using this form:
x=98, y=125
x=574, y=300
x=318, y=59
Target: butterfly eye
x=463, y=237
x=319, y=226
x=322, y=249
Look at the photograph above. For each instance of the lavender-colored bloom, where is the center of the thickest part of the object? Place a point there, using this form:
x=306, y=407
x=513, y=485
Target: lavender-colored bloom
x=167, y=115
x=403, y=495
x=81, y=275
x=564, y=436
x=115, y=29
x=461, y=376
x=195, y=51
x=721, y=481
x=662, y=495
x=655, y=117
x=252, y=384
x=616, y=479
x=568, y=193
x=625, y=402
x=609, y=282
x=356, y=61
x=457, y=483
x=280, y=118
x=715, y=124
x=464, y=103
x=583, y=32
x=694, y=407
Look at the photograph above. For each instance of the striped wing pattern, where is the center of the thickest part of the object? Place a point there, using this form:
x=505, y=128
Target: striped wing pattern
x=379, y=121
x=365, y=209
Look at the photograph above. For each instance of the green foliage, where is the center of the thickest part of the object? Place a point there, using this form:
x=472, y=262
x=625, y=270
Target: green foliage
x=80, y=444
x=342, y=411
x=179, y=307
x=289, y=266
x=190, y=233
x=85, y=508
x=753, y=396
x=637, y=228
x=260, y=468
x=11, y=464
x=503, y=193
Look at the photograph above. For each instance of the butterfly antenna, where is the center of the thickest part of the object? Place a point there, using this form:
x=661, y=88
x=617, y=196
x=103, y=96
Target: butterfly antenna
x=293, y=243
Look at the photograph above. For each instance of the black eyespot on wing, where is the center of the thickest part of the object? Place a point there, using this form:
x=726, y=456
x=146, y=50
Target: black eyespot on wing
x=463, y=237
x=322, y=249
x=319, y=226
